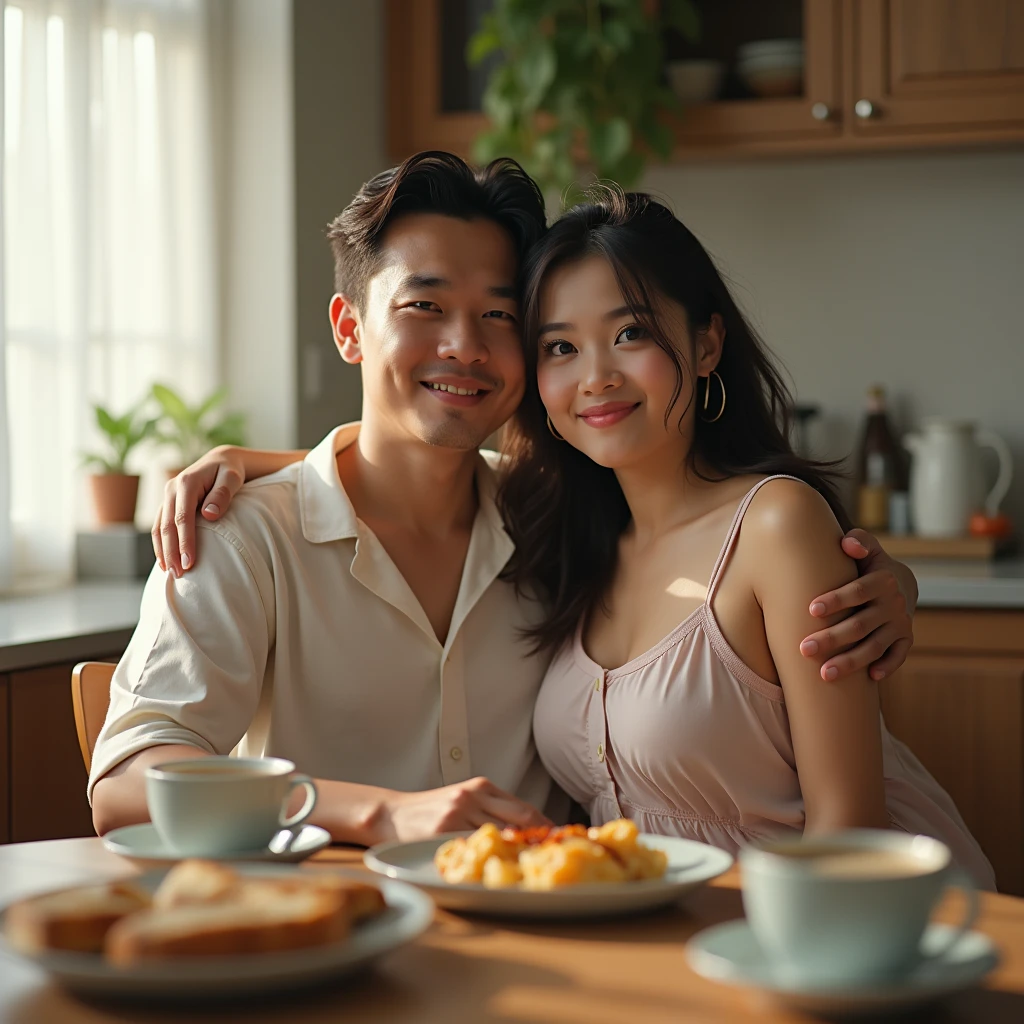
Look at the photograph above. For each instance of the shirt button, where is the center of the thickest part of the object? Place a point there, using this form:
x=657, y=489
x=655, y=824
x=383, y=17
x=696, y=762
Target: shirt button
x=600, y=751
x=456, y=753
x=597, y=684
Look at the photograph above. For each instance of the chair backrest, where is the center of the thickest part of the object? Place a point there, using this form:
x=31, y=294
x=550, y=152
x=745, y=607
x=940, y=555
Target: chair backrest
x=90, y=695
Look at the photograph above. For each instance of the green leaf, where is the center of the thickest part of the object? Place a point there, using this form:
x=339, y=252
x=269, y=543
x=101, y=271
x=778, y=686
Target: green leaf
x=610, y=141
x=536, y=71
x=660, y=138
x=483, y=43
x=211, y=403
x=683, y=16
x=617, y=34
x=106, y=422
x=172, y=403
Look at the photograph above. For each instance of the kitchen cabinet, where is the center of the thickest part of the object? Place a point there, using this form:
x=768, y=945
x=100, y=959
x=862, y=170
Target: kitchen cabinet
x=878, y=74
x=42, y=775
x=953, y=69
x=958, y=703
x=5, y=762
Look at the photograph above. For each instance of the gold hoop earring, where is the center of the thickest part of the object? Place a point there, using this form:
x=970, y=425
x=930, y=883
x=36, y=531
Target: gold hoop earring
x=707, y=391
x=554, y=433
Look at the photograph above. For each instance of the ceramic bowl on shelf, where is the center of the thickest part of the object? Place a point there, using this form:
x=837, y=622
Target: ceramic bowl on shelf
x=772, y=67
x=770, y=48
x=772, y=83
x=695, y=81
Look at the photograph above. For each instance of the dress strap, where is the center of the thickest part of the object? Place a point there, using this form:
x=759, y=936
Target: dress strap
x=734, y=530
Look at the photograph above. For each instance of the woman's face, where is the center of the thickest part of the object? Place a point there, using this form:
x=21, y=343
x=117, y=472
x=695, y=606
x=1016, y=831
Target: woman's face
x=605, y=382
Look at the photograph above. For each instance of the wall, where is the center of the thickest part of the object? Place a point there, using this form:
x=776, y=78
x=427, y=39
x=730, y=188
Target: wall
x=339, y=143
x=902, y=269
x=257, y=207
x=905, y=270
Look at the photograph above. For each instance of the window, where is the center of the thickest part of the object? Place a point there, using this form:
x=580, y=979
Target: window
x=108, y=244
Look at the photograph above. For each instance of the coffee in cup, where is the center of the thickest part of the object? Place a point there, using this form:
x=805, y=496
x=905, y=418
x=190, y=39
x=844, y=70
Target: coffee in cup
x=849, y=907
x=210, y=806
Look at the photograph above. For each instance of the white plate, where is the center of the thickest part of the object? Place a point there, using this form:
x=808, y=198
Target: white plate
x=730, y=954
x=143, y=843
x=690, y=864
x=408, y=915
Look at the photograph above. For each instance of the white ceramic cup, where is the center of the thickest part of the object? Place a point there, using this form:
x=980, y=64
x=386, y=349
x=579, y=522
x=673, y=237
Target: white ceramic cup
x=217, y=805
x=851, y=907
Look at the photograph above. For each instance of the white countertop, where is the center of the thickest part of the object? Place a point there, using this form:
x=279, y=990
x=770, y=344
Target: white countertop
x=957, y=583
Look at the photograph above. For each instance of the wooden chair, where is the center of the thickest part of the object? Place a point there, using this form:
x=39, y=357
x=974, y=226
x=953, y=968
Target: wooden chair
x=90, y=695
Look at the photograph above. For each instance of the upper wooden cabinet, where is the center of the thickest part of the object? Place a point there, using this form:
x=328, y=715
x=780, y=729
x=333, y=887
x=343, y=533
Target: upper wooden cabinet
x=878, y=74
x=953, y=67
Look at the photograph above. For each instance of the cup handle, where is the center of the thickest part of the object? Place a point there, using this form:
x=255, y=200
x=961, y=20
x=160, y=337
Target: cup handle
x=959, y=879
x=307, y=808
x=988, y=439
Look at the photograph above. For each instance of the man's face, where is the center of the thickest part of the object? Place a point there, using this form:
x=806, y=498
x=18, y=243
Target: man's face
x=438, y=337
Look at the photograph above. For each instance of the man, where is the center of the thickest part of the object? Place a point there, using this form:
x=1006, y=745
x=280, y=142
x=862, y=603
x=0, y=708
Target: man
x=347, y=612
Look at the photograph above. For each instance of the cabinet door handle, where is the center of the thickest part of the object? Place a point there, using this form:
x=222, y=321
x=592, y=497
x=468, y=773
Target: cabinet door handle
x=821, y=112
x=865, y=109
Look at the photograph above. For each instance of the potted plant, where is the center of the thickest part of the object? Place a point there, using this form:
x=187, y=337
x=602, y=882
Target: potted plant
x=194, y=430
x=114, y=490
x=577, y=91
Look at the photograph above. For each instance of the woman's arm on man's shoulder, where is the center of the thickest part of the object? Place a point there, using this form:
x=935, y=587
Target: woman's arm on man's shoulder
x=836, y=728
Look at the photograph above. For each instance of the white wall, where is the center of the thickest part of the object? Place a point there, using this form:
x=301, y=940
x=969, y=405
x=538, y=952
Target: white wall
x=907, y=270
x=257, y=204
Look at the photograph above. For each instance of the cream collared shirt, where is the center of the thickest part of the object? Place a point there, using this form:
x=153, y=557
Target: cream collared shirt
x=296, y=636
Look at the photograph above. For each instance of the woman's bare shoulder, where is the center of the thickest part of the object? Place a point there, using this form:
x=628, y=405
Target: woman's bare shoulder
x=788, y=508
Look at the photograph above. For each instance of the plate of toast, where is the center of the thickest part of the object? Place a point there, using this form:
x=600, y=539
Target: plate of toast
x=555, y=872
x=205, y=928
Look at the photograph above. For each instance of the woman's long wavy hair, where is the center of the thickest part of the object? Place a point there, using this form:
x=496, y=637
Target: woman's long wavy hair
x=565, y=512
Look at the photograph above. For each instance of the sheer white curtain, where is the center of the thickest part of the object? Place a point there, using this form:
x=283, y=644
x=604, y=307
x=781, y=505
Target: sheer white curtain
x=109, y=243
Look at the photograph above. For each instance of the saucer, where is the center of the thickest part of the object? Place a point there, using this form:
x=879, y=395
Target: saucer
x=729, y=953
x=143, y=843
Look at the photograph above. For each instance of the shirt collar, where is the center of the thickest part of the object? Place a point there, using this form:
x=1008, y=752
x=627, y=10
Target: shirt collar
x=324, y=507
x=327, y=514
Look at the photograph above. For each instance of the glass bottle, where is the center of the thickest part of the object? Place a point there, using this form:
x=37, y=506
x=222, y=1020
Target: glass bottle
x=880, y=466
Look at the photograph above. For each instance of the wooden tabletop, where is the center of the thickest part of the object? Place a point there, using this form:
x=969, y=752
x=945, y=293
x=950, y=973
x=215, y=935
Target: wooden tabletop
x=480, y=970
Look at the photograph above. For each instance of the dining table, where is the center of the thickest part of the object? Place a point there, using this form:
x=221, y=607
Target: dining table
x=483, y=969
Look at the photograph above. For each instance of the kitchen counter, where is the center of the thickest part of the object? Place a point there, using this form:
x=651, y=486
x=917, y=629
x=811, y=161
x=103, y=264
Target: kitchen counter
x=968, y=584
x=74, y=623
x=90, y=619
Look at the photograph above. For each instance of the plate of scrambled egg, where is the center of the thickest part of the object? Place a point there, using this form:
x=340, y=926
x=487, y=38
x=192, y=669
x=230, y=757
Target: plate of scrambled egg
x=571, y=871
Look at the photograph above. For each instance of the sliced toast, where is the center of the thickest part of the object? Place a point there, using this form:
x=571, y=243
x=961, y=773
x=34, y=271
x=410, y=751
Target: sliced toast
x=265, y=921
x=72, y=919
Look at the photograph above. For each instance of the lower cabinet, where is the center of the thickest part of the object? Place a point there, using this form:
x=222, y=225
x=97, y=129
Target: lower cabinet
x=5, y=762
x=958, y=703
x=41, y=768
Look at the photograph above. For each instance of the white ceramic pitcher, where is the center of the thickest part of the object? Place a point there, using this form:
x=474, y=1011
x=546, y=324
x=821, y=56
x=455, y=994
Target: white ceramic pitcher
x=946, y=481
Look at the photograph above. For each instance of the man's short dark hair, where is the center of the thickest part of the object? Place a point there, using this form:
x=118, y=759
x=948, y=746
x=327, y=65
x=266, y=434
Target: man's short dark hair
x=431, y=182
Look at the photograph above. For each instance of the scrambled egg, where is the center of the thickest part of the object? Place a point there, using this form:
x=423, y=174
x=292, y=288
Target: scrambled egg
x=549, y=858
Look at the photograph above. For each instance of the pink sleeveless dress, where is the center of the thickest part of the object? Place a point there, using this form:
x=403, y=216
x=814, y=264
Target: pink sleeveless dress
x=689, y=741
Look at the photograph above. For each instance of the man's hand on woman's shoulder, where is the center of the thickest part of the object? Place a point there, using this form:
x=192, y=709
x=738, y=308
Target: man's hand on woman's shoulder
x=882, y=601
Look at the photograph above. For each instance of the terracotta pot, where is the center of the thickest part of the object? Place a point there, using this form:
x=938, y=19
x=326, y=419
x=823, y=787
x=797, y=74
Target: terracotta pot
x=114, y=496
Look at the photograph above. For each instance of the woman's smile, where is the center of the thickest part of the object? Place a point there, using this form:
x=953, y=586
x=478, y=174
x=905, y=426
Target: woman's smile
x=607, y=414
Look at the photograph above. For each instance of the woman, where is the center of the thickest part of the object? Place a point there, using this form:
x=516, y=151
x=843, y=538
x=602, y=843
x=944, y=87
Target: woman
x=649, y=441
